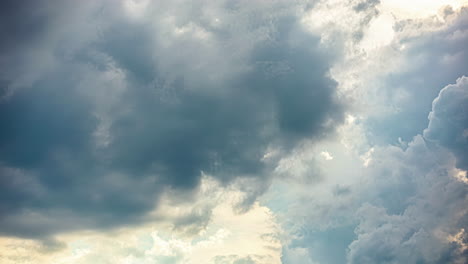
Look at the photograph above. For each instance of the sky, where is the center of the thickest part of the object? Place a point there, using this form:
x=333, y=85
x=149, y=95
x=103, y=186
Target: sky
x=234, y=132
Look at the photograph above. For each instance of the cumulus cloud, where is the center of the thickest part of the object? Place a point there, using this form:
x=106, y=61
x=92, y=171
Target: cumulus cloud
x=405, y=204
x=105, y=105
x=448, y=121
x=393, y=65
x=417, y=203
x=432, y=53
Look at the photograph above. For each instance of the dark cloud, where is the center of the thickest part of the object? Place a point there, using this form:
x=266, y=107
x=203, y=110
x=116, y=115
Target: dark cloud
x=21, y=23
x=130, y=104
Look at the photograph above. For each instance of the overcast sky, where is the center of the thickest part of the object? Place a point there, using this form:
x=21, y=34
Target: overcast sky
x=234, y=131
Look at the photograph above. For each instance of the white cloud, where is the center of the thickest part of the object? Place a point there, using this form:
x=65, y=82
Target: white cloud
x=326, y=155
x=417, y=8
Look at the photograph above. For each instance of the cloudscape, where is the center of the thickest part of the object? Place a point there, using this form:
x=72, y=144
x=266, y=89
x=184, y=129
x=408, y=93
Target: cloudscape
x=234, y=131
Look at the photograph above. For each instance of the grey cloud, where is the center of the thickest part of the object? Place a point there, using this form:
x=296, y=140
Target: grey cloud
x=433, y=59
x=418, y=202
x=364, y=5
x=320, y=246
x=448, y=121
x=431, y=210
x=403, y=210
x=130, y=106
x=407, y=204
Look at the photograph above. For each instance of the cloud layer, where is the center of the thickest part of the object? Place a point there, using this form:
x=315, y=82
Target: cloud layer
x=134, y=98
x=228, y=132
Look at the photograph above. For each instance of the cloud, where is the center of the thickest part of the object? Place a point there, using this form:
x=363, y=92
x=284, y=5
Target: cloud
x=146, y=131
x=417, y=203
x=403, y=203
x=392, y=66
x=228, y=237
x=448, y=121
x=109, y=105
x=433, y=53
x=364, y=5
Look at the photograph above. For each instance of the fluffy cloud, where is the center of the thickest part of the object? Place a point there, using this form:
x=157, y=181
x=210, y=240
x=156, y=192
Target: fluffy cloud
x=107, y=105
x=378, y=203
x=417, y=203
x=433, y=53
x=393, y=65
x=399, y=204
x=448, y=120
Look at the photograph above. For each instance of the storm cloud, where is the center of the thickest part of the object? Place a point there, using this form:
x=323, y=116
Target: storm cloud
x=104, y=105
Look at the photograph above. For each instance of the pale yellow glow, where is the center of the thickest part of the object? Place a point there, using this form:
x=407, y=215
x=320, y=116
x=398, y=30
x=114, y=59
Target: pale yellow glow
x=228, y=236
x=326, y=155
x=461, y=175
x=458, y=239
